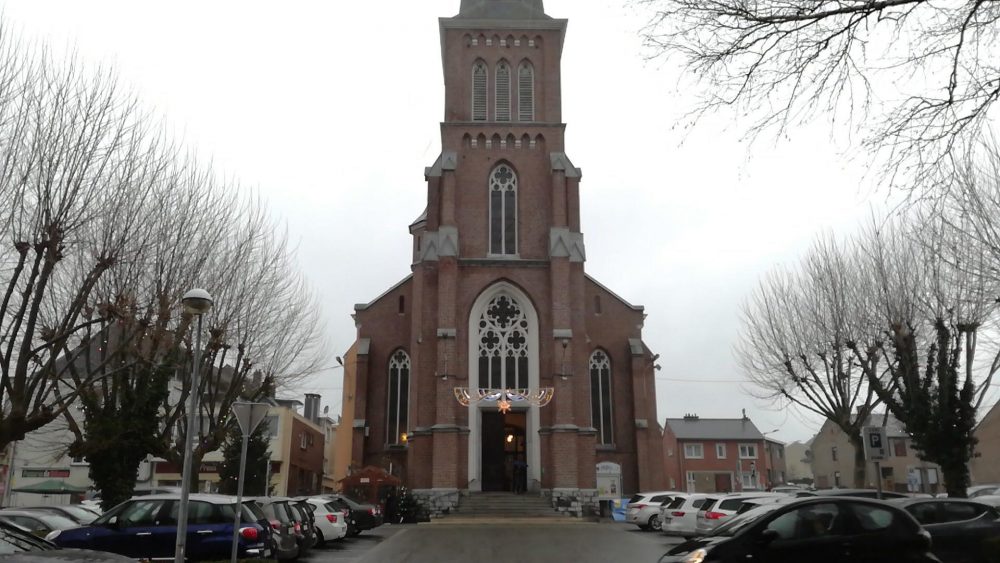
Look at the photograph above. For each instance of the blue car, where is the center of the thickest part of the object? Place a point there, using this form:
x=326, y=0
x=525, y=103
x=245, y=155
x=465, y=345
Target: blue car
x=145, y=527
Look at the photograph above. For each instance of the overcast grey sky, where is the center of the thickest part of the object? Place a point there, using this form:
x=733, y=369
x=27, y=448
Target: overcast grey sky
x=332, y=108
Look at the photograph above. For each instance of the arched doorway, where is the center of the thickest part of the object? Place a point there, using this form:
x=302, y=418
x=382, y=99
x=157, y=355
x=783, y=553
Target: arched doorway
x=503, y=354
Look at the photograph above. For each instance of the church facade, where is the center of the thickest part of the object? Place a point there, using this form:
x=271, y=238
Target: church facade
x=499, y=297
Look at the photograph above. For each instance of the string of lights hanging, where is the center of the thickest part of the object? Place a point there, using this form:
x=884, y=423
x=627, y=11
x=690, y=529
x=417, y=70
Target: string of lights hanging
x=505, y=398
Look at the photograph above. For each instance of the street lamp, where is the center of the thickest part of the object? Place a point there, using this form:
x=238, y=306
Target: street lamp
x=196, y=302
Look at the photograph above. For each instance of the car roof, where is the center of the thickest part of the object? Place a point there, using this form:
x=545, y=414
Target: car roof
x=921, y=500
x=211, y=499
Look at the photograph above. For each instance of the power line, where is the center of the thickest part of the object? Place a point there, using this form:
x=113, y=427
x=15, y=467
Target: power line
x=680, y=380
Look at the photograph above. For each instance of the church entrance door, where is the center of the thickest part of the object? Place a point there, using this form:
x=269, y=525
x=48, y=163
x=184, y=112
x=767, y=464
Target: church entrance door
x=504, y=451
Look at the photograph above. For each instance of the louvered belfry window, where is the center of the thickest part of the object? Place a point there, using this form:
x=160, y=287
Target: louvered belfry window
x=526, y=92
x=503, y=211
x=479, y=95
x=503, y=92
x=600, y=396
x=397, y=413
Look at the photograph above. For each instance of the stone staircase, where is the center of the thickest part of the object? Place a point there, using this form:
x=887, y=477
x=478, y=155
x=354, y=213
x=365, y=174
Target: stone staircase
x=505, y=505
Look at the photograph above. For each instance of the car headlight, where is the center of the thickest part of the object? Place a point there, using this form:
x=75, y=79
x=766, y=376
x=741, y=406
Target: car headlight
x=51, y=536
x=696, y=556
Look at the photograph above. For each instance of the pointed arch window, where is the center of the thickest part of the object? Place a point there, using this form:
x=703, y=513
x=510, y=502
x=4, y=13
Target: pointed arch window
x=479, y=93
x=503, y=211
x=600, y=396
x=526, y=92
x=397, y=413
x=503, y=345
x=503, y=92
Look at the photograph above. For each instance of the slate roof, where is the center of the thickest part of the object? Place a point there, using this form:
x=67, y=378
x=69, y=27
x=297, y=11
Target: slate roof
x=714, y=429
x=503, y=10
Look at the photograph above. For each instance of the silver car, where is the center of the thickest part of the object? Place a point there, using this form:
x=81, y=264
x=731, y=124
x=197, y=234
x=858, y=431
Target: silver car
x=680, y=517
x=643, y=509
x=717, y=508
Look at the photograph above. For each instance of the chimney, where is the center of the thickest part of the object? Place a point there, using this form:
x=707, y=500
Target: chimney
x=690, y=417
x=312, y=407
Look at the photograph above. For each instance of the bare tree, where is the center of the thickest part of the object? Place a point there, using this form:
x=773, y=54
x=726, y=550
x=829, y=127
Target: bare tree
x=914, y=77
x=76, y=174
x=925, y=305
x=794, y=343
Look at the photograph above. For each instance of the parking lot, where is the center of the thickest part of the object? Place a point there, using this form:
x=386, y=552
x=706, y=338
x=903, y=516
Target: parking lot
x=444, y=543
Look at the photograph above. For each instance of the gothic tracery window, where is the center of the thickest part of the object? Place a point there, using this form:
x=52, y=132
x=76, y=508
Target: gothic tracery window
x=399, y=397
x=503, y=211
x=600, y=396
x=479, y=95
x=503, y=345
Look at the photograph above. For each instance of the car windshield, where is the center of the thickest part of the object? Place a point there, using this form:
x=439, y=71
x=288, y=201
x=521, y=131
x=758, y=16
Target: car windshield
x=13, y=540
x=741, y=521
x=677, y=502
x=55, y=521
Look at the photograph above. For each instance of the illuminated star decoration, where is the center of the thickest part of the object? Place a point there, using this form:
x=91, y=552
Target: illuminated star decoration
x=503, y=405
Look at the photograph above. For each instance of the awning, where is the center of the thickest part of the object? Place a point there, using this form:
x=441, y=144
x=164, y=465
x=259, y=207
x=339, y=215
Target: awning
x=50, y=487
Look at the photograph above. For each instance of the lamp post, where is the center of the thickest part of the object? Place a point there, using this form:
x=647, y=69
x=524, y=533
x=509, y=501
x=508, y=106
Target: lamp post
x=196, y=302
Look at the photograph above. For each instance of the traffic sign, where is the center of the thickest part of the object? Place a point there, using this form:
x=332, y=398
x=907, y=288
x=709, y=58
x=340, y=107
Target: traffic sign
x=876, y=443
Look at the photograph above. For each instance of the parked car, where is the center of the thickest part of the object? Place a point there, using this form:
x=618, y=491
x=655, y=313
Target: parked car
x=643, y=509
x=75, y=512
x=982, y=490
x=330, y=521
x=37, y=522
x=361, y=516
x=680, y=517
x=146, y=528
x=17, y=544
x=963, y=531
x=305, y=531
x=817, y=530
x=860, y=493
x=716, y=509
x=284, y=545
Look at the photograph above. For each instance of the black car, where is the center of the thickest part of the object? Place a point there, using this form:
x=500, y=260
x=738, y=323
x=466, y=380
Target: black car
x=361, y=516
x=17, y=544
x=962, y=531
x=815, y=530
x=284, y=545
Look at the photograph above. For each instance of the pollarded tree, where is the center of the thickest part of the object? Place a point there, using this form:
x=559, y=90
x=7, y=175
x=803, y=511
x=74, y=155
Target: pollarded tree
x=912, y=76
x=794, y=343
x=926, y=305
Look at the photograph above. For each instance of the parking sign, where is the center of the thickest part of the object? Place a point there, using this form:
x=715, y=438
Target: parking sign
x=876, y=444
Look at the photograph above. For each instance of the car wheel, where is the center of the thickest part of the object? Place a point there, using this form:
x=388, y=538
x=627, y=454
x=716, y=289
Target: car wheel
x=654, y=522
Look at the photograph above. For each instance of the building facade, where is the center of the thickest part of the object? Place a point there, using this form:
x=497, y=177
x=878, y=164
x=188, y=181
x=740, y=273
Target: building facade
x=985, y=464
x=499, y=297
x=832, y=457
x=713, y=455
x=798, y=461
x=774, y=451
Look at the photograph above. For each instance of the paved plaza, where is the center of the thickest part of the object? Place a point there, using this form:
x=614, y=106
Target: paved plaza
x=489, y=542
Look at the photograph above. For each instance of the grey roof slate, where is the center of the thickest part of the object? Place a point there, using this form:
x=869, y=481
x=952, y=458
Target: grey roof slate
x=714, y=429
x=503, y=10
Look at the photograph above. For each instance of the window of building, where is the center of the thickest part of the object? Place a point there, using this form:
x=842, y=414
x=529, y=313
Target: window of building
x=526, y=92
x=503, y=92
x=503, y=211
x=479, y=95
x=748, y=451
x=833, y=453
x=720, y=451
x=694, y=451
x=303, y=444
x=600, y=396
x=399, y=397
x=899, y=448
x=748, y=479
x=597, y=304
x=503, y=345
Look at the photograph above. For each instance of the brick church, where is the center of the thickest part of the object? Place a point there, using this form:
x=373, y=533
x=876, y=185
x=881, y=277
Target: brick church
x=499, y=297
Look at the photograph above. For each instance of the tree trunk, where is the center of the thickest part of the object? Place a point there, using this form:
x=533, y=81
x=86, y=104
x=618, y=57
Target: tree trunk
x=956, y=478
x=860, y=463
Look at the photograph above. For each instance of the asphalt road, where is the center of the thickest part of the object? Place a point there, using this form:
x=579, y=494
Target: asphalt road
x=500, y=543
